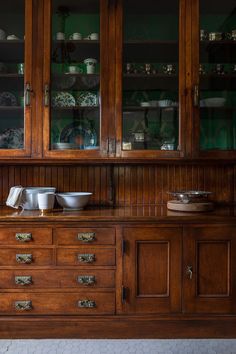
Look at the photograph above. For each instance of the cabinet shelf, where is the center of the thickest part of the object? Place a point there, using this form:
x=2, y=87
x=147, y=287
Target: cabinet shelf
x=126, y=109
x=150, y=82
x=65, y=82
x=75, y=108
x=73, y=50
x=150, y=51
x=11, y=108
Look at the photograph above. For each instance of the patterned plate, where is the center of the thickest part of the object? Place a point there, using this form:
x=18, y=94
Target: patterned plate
x=63, y=99
x=12, y=138
x=74, y=133
x=86, y=99
x=7, y=99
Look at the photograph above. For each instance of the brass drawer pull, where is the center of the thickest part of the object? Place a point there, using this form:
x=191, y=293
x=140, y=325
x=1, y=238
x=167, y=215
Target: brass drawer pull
x=23, y=280
x=23, y=236
x=23, y=305
x=86, y=279
x=24, y=258
x=87, y=303
x=86, y=258
x=86, y=237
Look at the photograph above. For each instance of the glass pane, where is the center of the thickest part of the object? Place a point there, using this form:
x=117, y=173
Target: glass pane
x=150, y=75
x=75, y=68
x=217, y=75
x=12, y=27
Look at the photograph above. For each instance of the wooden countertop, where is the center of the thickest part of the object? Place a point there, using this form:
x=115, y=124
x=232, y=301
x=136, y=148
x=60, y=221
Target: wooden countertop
x=154, y=213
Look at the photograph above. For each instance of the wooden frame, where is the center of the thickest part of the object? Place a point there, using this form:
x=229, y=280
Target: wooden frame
x=104, y=82
x=182, y=90
x=28, y=50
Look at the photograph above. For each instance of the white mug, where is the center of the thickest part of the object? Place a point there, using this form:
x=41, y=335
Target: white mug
x=2, y=34
x=12, y=37
x=76, y=36
x=46, y=201
x=73, y=69
x=90, y=65
x=60, y=36
x=93, y=36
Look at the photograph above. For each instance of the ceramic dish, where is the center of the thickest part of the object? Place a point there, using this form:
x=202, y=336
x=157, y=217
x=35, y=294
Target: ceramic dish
x=78, y=135
x=86, y=99
x=63, y=99
x=213, y=102
x=164, y=103
x=7, y=99
x=73, y=200
x=12, y=138
x=188, y=196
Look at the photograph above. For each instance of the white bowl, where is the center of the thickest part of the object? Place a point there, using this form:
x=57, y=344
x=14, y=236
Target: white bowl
x=213, y=102
x=73, y=200
x=164, y=103
x=30, y=196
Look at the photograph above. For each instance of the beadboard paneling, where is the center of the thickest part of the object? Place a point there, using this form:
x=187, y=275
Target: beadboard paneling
x=132, y=185
x=149, y=184
x=67, y=178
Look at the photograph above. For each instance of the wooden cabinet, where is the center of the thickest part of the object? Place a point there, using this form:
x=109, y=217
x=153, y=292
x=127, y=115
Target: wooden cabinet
x=129, y=81
x=152, y=270
x=126, y=279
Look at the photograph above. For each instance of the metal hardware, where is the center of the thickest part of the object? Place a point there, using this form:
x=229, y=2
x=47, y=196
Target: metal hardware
x=23, y=280
x=23, y=236
x=46, y=95
x=23, y=305
x=24, y=258
x=123, y=294
x=189, y=271
x=111, y=148
x=196, y=96
x=86, y=279
x=86, y=258
x=28, y=92
x=123, y=247
x=87, y=303
x=86, y=237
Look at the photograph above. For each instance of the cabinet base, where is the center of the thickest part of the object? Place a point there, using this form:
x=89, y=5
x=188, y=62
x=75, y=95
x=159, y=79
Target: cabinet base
x=117, y=327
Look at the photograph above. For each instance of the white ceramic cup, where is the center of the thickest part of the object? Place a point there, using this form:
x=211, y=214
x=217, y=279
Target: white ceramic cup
x=60, y=36
x=46, y=201
x=12, y=37
x=2, y=34
x=90, y=65
x=76, y=36
x=93, y=36
x=72, y=69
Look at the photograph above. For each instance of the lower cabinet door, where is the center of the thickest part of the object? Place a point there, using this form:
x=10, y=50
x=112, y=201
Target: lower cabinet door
x=152, y=270
x=209, y=269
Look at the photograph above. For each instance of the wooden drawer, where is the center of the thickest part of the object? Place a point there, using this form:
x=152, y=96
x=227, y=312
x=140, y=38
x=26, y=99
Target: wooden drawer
x=57, y=303
x=77, y=236
x=26, y=235
x=26, y=257
x=86, y=256
x=31, y=278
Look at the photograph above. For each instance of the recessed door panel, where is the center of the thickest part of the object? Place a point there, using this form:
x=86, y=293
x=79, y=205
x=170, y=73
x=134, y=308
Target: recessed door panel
x=152, y=269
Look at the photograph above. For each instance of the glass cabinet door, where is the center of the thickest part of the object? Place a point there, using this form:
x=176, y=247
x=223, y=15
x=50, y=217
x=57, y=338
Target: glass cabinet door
x=150, y=75
x=15, y=77
x=72, y=91
x=217, y=76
